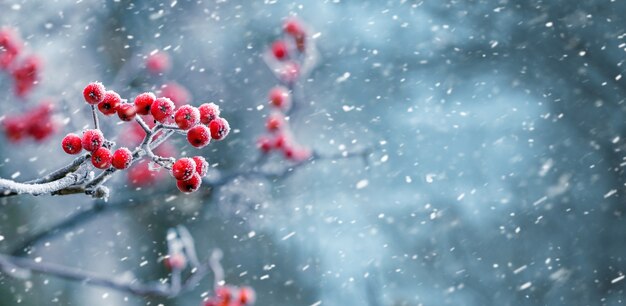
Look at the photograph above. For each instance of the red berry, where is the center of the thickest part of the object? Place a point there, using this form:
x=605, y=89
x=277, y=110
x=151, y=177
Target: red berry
x=175, y=261
x=122, y=158
x=219, y=128
x=246, y=296
x=126, y=111
x=143, y=102
x=279, y=49
x=94, y=93
x=26, y=75
x=293, y=27
x=15, y=128
x=208, y=112
x=158, y=62
x=189, y=185
x=140, y=175
x=199, y=136
x=184, y=169
x=202, y=166
x=264, y=144
x=274, y=123
x=10, y=47
x=224, y=294
x=92, y=140
x=162, y=109
x=279, y=97
x=186, y=117
x=72, y=144
x=281, y=141
x=176, y=92
x=109, y=104
x=101, y=158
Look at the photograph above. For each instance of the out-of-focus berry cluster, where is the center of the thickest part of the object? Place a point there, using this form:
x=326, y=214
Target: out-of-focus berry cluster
x=231, y=296
x=289, y=51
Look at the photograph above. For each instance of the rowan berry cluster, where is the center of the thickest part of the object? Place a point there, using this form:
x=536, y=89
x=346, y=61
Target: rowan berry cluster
x=23, y=68
x=36, y=123
x=200, y=125
x=289, y=51
x=231, y=296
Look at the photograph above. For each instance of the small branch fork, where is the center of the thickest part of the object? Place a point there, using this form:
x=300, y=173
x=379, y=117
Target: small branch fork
x=76, y=177
x=19, y=267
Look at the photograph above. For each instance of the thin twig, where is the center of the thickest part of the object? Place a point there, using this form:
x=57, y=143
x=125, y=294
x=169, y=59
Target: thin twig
x=96, y=124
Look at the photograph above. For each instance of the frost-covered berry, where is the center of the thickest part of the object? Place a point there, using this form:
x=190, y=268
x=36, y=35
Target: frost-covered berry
x=189, y=185
x=264, y=144
x=279, y=97
x=208, y=112
x=186, y=117
x=161, y=109
x=109, y=104
x=101, y=158
x=143, y=102
x=219, y=128
x=279, y=49
x=94, y=93
x=121, y=158
x=126, y=112
x=202, y=166
x=274, y=123
x=72, y=144
x=199, y=136
x=92, y=140
x=184, y=169
x=247, y=296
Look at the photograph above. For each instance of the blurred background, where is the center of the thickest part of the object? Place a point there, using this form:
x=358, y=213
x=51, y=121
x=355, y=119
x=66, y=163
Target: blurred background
x=496, y=176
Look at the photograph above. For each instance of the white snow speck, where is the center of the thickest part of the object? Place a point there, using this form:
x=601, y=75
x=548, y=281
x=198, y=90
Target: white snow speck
x=408, y=179
x=520, y=269
x=288, y=236
x=1, y=237
x=525, y=286
x=385, y=158
x=343, y=78
x=318, y=303
x=618, y=77
x=347, y=108
x=362, y=184
x=610, y=193
x=15, y=175
x=549, y=24
x=617, y=279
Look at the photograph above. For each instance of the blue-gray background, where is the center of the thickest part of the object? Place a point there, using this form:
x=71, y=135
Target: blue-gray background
x=498, y=179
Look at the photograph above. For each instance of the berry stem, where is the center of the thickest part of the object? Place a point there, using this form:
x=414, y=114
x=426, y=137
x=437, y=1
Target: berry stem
x=20, y=267
x=10, y=186
x=96, y=124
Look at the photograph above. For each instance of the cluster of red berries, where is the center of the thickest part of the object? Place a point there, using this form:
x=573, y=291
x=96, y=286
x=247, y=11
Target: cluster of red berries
x=279, y=137
x=24, y=71
x=288, y=49
x=231, y=296
x=36, y=123
x=201, y=124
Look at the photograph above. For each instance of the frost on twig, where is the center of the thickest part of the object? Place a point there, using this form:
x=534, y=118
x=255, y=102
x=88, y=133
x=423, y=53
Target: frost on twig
x=20, y=267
